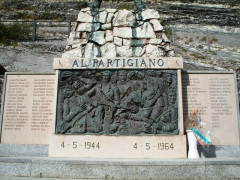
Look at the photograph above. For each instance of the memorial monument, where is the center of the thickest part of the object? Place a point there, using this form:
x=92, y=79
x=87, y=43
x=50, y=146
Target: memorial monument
x=117, y=93
x=118, y=79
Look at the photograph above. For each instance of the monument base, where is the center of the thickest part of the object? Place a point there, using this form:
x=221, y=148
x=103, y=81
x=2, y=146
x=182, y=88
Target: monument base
x=117, y=146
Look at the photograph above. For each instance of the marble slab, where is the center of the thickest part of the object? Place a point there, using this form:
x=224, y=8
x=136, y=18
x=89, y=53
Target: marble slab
x=214, y=95
x=117, y=146
x=119, y=63
x=28, y=108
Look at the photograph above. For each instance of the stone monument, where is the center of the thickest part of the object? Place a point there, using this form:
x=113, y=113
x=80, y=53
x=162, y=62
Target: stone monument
x=118, y=85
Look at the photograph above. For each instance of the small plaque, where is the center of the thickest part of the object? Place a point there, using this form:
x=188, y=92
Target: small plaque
x=119, y=63
x=28, y=111
x=117, y=146
x=214, y=96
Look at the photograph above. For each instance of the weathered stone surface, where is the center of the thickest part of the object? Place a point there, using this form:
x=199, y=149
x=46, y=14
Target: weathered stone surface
x=71, y=35
x=165, y=38
x=124, y=18
x=84, y=35
x=108, y=50
x=156, y=25
x=86, y=10
x=85, y=27
x=77, y=52
x=138, y=42
x=155, y=41
x=28, y=133
x=154, y=51
x=167, y=47
x=145, y=31
x=98, y=37
x=110, y=17
x=150, y=14
x=126, y=42
x=171, y=53
x=139, y=51
x=123, y=32
x=101, y=18
x=125, y=51
x=106, y=26
x=109, y=36
x=91, y=51
x=111, y=10
x=118, y=41
x=84, y=17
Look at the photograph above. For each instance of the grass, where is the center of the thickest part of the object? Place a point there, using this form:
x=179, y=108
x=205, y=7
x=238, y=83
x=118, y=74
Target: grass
x=24, y=16
x=126, y=5
x=11, y=34
x=82, y=4
x=49, y=16
x=212, y=40
x=189, y=40
x=204, y=39
x=198, y=56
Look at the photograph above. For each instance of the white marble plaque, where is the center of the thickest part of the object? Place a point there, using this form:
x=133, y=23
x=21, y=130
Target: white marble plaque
x=117, y=146
x=215, y=96
x=119, y=63
x=28, y=111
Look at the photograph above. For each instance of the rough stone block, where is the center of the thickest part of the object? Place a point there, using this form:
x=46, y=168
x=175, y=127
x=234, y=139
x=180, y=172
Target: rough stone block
x=123, y=32
x=124, y=18
x=156, y=25
x=154, y=51
x=108, y=50
x=139, y=51
x=91, y=50
x=138, y=42
x=84, y=17
x=77, y=52
x=101, y=18
x=126, y=42
x=125, y=51
x=155, y=41
x=98, y=37
x=84, y=27
x=150, y=14
x=110, y=17
x=106, y=26
x=109, y=36
x=111, y=10
x=165, y=38
x=118, y=41
x=145, y=31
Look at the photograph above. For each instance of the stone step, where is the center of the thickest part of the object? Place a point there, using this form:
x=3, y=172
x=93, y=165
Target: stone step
x=91, y=168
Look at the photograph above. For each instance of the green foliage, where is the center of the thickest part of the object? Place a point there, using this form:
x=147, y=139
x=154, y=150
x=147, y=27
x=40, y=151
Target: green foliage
x=13, y=33
x=168, y=31
x=45, y=16
x=23, y=15
x=49, y=16
x=82, y=4
x=125, y=5
x=198, y=56
x=212, y=40
x=204, y=39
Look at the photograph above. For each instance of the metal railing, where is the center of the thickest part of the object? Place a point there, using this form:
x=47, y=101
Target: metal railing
x=39, y=23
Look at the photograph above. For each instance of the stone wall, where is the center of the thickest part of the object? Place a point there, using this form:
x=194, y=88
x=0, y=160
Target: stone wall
x=118, y=33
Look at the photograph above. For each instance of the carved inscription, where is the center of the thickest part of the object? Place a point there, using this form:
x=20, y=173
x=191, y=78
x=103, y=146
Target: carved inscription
x=28, y=108
x=214, y=95
x=118, y=102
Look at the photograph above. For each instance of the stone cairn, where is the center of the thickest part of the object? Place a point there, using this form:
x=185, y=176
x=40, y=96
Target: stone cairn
x=117, y=33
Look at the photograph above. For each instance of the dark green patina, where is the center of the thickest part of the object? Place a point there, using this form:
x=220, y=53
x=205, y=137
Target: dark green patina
x=117, y=102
